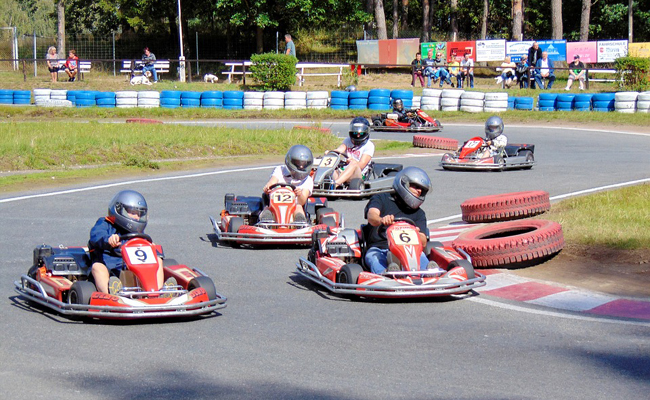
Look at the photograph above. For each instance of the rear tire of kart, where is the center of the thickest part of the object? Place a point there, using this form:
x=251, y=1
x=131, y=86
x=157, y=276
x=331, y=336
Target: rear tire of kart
x=81, y=292
x=322, y=211
x=205, y=283
x=349, y=273
x=234, y=224
x=376, y=122
x=469, y=268
x=512, y=244
x=530, y=157
x=505, y=207
x=355, y=184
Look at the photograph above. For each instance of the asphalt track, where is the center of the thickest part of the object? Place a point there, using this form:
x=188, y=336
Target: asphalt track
x=282, y=338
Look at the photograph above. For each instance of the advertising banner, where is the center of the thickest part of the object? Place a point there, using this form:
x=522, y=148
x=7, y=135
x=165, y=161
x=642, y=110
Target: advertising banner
x=490, y=50
x=367, y=51
x=610, y=50
x=639, y=50
x=586, y=50
x=406, y=49
x=556, y=49
x=457, y=50
x=517, y=49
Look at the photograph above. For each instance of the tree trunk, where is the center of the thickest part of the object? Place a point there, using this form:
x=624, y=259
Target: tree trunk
x=556, y=20
x=370, y=9
x=630, y=15
x=453, y=20
x=405, y=15
x=584, y=20
x=517, y=19
x=395, y=20
x=259, y=34
x=484, y=17
x=426, y=23
x=380, y=18
x=60, y=31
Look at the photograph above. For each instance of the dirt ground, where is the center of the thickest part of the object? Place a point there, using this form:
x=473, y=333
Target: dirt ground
x=617, y=272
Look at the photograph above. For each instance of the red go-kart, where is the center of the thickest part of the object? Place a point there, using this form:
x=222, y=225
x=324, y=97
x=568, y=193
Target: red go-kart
x=418, y=121
x=61, y=280
x=469, y=157
x=335, y=261
x=240, y=222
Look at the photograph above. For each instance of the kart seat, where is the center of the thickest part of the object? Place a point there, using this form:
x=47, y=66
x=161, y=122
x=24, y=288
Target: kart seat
x=382, y=170
x=243, y=204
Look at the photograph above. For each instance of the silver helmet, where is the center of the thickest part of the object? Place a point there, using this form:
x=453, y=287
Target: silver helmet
x=351, y=88
x=359, y=131
x=129, y=211
x=398, y=104
x=493, y=127
x=412, y=176
x=299, y=161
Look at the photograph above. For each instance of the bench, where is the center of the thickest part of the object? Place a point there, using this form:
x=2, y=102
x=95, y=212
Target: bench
x=233, y=69
x=134, y=67
x=302, y=66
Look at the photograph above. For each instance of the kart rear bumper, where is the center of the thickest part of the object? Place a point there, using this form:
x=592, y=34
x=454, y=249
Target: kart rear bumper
x=455, y=164
x=300, y=236
x=409, y=129
x=352, y=194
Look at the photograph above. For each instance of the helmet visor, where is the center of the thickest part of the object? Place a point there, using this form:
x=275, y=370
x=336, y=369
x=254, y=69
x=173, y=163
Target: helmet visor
x=302, y=165
x=138, y=214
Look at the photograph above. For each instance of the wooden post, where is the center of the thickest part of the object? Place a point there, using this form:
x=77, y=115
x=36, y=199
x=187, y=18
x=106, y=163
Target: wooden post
x=24, y=71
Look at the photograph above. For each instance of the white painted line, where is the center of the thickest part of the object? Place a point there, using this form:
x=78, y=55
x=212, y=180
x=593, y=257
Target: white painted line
x=573, y=300
x=452, y=217
x=443, y=239
x=501, y=280
x=598, y=189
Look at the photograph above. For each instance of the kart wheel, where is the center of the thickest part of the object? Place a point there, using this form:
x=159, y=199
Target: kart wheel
x=506, y=206
x=205, y=283
x=234, y=224
x=349, y=273
x=469, y=269
x=512, y=244
x=530, y=158
x=376, y=122
x=355, y=184
x=81, y=292
x=500, y=161
x=322, y=211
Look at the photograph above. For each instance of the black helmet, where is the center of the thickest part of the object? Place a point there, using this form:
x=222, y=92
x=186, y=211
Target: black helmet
x=412, y=176
x=359, y=131
x=299, y=161
x=493, y=127
x=129, y=211
x=398, y=104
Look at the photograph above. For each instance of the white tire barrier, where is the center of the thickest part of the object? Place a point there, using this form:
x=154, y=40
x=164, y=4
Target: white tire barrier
x=449, y=102
x=452, y=93
x=449, y=108
x=473, y=95
x=131, y=94
x=471, y=103
x=495, y=109
x=473, y=109
x=273, y=95
x=643, y=96
x=253, y=95
x=311, y=103
x=295, y=103
x=274, y=103
x=148, y=94
x=317, y=95
x=431, y=92
x=253, y=102
x=295, y=96
x=626, y=96
x=496, y=96
x=496, y=104
x=431, y=107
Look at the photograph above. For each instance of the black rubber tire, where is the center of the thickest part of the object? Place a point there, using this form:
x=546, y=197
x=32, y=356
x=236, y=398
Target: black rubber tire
x=505, y=206
x=511, y=244
x=168, y=262
x=329, y=221
x=81, y=292
x=530, y=157
x=321, y=211
x=349, y=273
x=205, y=283
x=469, y=268
x=377, y=122
x=235, y=224
x=355, y=184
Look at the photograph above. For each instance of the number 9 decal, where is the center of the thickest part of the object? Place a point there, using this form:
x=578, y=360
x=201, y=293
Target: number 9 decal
x=140, y=255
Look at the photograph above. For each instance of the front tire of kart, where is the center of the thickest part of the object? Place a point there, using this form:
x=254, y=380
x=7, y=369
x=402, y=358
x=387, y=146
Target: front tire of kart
x=355, y=184
x=234, y=224
x=81, y=292
x=469, y=268
x=205, y=283
x=349, y=274
x=501, y=162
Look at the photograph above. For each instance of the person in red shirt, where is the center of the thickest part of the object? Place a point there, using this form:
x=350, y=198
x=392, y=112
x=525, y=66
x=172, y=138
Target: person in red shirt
x=72, y=65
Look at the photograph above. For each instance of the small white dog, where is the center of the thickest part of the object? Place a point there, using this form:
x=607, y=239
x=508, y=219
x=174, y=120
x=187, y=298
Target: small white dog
x=210, y=78
x=140, y=80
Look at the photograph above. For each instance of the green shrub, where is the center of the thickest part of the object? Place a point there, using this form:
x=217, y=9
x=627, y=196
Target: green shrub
x=633, y=73
x=274, y=71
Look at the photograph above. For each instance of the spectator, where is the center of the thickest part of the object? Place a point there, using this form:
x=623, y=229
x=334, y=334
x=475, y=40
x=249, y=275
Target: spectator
x=441, y=71
x=522, y=72
x=291, y=46
x=454, y=71
x=417, y=69
x=544, y=70
x=507, y=72
x=429, y=68
x=576, y=72
x=149, y=64
x=534, y=54
x=52, y=63
x=467, y=70
x=72, y=65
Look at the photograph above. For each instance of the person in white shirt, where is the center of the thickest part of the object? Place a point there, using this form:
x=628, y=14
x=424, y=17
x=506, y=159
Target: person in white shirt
x=467, y=70
x=359, y=150
x=495, y=140
x=544, y=70
x=295, y=171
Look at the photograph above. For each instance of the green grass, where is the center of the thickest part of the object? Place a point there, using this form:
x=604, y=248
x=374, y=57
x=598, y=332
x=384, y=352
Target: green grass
x=617, y=219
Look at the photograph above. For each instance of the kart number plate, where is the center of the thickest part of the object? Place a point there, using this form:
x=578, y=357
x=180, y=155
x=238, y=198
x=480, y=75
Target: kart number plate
x=405, y=236
x=283, y=197
x=473, y=143
x=140, y=255
x=328, y=161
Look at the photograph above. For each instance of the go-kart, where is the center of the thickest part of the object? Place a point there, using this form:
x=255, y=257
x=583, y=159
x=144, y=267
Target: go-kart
x=378, y=179
x=418, y=121
x=61, y=279
x=240, y=220
x=335, y=261
x=469, y=157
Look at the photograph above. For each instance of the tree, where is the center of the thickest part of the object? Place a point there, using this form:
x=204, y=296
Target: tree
x=60, y=30
x=426, y=22
x=556, y=19
x=253, y=13
x=380, y=18
x=395, y=20
x=584, y=20
x=405, y=15
x=517, y=19
x=484, y=17
x=453, y=20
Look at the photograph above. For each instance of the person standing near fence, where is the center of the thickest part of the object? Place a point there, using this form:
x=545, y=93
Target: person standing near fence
x=149, y=64
x=291, y=46
x=52, y=63
x=72, y=65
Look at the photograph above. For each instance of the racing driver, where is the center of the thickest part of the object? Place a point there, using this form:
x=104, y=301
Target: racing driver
x=359, y=150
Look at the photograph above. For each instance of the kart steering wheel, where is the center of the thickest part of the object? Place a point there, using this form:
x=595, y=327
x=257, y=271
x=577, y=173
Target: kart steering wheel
x=382, y=229
x=277, y=185
x=342, y=157
x=404, y=219
x=133, y=235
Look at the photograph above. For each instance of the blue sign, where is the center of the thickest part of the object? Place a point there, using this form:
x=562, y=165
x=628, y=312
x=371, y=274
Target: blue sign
x=556, y=49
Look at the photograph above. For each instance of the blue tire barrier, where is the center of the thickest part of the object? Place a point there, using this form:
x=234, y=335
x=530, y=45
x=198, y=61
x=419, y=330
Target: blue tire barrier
x=170, y=101
x=377, y=106
x=211, y=102
x=84, y=95
x=358, y=102
x=6, y=92
x=85, y=103
x=564, y=106
x=603, y=103
x=548, y=96
x=233, y=107
x=408, y=103
x=357, y=107
x=212, y=95
x=401, y=94
x=339, y=107
x=104, y=95
x=233, y=102
x=169, y=105
x=339, y=101
x=580, y=98
x=339, y=94
x=359, y=95
x=105, y=101
x=170, y=94
x=22, y=93
x=603, y=96
x=379, y=93
x=378, y=100
x=191, y=102
x=523, y=106
x=602, y=109
x=581, y=105
x=191, y=95
x=524, y=100
x=566, y=97
x=22, y=100
x=6, y=100
x=546, y=108
x=106, y=105
x=233, y=94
